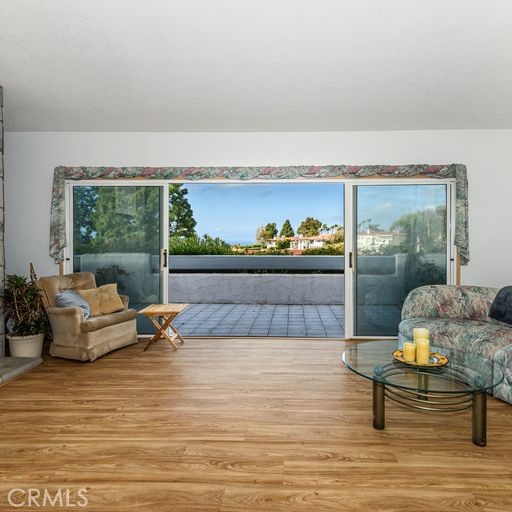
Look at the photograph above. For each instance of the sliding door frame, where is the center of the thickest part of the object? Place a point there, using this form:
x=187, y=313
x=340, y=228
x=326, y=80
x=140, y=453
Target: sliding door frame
x=348, y=220
x=164, y=221
x=351, y=234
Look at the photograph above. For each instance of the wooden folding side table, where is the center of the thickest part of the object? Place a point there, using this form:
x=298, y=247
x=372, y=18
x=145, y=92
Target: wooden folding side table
x=167, y=313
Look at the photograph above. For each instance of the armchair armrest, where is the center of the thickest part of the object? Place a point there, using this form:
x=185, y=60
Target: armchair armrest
x=69, y=311
x=444, y=301
x=65, y=323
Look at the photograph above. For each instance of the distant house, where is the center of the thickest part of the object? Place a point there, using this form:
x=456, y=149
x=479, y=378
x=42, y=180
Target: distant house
x=372, y=241
x=301, y=243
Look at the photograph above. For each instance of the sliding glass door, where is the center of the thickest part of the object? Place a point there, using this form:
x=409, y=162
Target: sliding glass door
x=118, y=233
x=398, y=237
x=401, y=240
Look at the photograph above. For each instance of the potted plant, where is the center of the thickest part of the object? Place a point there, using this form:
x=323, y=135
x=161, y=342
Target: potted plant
x=27, y=322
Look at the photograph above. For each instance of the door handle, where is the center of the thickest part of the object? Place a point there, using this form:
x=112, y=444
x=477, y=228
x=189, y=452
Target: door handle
x=351, y=261
x=163, y=259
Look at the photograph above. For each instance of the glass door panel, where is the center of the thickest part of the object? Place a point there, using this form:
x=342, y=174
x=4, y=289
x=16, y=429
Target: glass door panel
x=400, y=243
x=117, y=235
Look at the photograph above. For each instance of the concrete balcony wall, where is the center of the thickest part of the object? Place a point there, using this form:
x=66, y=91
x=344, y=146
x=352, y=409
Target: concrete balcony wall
x=214, y=281
x=220, y=288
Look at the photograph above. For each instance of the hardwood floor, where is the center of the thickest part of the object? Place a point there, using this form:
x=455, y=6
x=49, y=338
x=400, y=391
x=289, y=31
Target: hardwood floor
x=240, y=424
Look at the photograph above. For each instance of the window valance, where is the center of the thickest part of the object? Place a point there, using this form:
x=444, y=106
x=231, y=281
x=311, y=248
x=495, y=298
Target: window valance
x=304, y=172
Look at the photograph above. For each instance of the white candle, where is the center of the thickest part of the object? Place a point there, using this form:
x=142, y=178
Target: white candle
x=422, y=351
x=409, y=351
x=420, y=333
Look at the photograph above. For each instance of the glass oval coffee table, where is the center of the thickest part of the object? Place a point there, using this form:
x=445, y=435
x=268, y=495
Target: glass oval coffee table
x=461, y=384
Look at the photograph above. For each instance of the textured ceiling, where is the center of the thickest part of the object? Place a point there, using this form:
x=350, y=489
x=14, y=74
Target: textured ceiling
x=256, y=65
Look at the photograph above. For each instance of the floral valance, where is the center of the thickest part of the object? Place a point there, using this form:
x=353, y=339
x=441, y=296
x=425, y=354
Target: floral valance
x=57, y=222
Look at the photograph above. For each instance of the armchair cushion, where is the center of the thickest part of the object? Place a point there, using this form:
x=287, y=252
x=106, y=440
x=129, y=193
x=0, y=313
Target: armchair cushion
x=71, y=298
x=103, y=300
x=126, y=300
x=50, y=285
x=99, y=322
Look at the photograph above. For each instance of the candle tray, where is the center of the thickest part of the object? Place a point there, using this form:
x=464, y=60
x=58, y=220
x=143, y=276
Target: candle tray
x=435, y=359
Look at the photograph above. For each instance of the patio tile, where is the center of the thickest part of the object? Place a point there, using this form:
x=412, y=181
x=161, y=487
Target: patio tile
x=281, y=320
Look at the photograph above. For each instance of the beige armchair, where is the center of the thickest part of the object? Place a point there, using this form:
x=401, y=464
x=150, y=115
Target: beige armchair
x=74, y=338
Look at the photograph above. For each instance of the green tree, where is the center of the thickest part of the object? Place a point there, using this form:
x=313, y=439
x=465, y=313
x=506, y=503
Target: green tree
x=181, y=215
x=269, y=231
x=368, y=225
x=310, y=227
x=198, y=245
x=283, y=244
x=125, y=219
x=84, y=206
x=338, y=236
x=424, y=231
x=287, y=230
x=260, y=234
x=335, y=245
x=326, y=250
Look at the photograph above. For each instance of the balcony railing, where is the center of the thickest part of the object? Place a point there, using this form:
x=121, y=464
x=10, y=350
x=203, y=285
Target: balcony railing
x=256, y=264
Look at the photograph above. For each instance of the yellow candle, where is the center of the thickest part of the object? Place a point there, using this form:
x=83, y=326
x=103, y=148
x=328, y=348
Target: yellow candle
x=419, y=333
x=409, y=351
x=422, y=351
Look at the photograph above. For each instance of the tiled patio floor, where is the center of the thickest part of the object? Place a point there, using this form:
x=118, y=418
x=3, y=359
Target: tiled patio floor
x=316, y=321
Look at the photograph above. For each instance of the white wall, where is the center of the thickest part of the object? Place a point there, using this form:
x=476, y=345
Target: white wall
x=31, y=157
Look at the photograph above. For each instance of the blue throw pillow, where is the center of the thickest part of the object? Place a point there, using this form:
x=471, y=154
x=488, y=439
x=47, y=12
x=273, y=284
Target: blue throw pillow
x=72, y=299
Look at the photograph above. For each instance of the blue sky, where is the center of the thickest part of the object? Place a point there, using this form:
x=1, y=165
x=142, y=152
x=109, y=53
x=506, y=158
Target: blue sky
x=385, y=204
x=233, y=212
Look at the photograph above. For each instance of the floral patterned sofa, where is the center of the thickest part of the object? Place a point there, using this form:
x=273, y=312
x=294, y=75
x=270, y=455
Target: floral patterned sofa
x=457, y=317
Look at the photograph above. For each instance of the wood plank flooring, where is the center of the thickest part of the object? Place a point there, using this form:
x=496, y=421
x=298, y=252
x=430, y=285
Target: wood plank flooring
x=228, y=425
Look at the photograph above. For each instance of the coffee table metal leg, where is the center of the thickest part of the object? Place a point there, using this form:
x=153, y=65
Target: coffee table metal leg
x=422, y=385
x=378, y=405
x=479, y=419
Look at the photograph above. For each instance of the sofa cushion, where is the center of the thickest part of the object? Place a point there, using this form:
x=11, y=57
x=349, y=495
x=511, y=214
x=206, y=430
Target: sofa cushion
x=501, y=308
x=72, y=299
x=103, y=300
x=486, y=339
x=456, y=302
x=98, y=322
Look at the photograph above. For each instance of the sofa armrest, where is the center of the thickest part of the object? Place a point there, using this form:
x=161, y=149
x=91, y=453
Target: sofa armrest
x=444, y=301
x=65, y=323
x=126, y=301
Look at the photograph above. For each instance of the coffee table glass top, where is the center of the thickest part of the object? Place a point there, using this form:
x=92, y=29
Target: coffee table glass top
x=464, y=371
